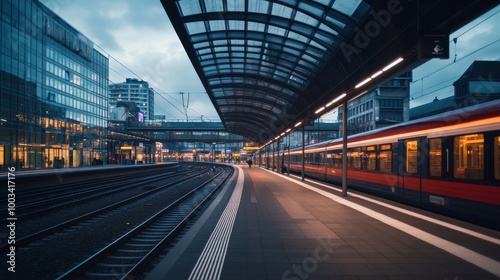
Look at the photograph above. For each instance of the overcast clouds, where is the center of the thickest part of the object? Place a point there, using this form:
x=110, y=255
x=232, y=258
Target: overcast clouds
x=436, y=77
x=139, y=35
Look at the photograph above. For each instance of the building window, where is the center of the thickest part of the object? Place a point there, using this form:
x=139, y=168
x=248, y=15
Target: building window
x=51, y=97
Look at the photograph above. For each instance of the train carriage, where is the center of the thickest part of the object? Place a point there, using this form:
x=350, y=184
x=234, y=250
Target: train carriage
x=448, y=163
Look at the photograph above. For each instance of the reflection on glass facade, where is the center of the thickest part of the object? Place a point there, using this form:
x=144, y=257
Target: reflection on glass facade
x=53, y=91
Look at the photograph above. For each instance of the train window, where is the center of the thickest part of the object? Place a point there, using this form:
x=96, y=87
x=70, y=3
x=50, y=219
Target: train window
x=412, y=156
x=371, y=158
x=469, y=156
x=337, y=159
x=435, y=164
x=496, y=161
x=355, y=158
x=385, y=158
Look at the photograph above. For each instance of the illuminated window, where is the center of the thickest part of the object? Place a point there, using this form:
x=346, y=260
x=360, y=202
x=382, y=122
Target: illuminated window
x=435, y=164
x=469, y=156
x=412, y=156
x=385, y=158
x=355, y=158
x=371, y=158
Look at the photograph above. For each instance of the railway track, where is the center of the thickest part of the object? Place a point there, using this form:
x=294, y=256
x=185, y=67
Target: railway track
x=88, y=191
x=114, y=239
x=101, y=211
x=128, y=255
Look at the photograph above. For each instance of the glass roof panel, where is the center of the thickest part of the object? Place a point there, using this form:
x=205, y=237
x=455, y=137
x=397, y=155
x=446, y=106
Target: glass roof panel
x=328, y=29
x=256, y=26
x=346, y=7
x=237, y=48
x=236, y=25
x=201, y=45
x=220, y=49
x=272, y=29
x=208, y=56
x=237, y=42
x=254, y=49
x=214, y=6
x=325, y=39
x=236, y=6
x=281, y=11
x=313, y=9
x=203, y=51
x=324, y=2
x=253, y=55
x=219, y=42
x=258, y=6
x=217, y=25
x=196, y=27
x=301, y=17
x=223, y=54
x=189, y=7
x=335, y=22
x=297, y=36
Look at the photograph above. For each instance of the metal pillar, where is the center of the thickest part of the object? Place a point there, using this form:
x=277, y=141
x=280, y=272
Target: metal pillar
x=303, y=152
x=344, y=150
x=288, y=169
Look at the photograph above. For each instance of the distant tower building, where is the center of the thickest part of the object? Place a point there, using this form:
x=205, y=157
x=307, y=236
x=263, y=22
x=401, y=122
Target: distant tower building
x=385, y=105
x=135, y=91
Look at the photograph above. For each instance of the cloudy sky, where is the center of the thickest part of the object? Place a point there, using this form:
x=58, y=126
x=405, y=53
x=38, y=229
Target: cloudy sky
x=141, y=42
x=478, y=40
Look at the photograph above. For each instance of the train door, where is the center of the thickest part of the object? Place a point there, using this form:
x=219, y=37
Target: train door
x=411, y=159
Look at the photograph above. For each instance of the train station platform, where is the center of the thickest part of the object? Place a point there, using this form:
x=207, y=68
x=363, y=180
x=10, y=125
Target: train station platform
x=265, y=225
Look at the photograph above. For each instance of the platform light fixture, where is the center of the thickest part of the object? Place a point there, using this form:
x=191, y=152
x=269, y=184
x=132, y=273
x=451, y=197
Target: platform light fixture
x=320, y=110
x=389, y=66
x=376, y=74
x=297, y=124
x=363, y=82
x=392, y=64
x=288, y=130
x=336, y=99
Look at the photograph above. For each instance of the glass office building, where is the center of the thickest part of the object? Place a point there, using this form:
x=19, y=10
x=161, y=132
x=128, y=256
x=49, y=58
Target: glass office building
x=54, y=91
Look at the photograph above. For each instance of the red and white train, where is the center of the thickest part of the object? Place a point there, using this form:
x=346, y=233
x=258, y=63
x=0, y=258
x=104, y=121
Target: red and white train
x=448, y=163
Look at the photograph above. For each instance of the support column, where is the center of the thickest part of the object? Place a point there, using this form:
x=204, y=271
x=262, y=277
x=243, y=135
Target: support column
x=303, y=152
x=344, y=150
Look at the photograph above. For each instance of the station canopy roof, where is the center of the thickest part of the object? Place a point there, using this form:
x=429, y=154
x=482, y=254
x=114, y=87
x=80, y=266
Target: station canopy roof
x=269, y=65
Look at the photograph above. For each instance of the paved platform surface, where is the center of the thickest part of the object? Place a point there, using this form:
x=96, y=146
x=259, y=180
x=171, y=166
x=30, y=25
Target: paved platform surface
x=266, y=226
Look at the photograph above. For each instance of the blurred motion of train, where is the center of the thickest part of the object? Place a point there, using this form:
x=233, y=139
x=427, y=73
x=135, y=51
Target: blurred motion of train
x=448, y=163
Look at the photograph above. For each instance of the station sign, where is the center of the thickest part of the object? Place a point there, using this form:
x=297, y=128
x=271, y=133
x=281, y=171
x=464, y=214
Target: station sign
x=250, y=148
x=434, y=44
